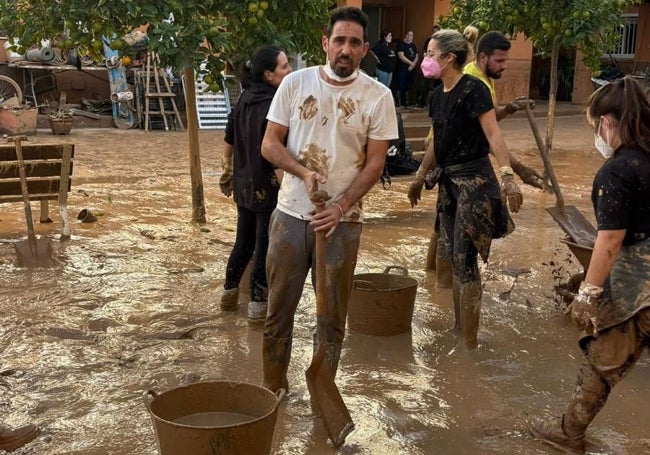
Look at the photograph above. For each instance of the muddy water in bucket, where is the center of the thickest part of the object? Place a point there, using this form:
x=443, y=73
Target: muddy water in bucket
x=207, y=418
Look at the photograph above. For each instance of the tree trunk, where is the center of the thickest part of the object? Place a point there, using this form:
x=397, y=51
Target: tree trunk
x=198, y=201
x=552, y=92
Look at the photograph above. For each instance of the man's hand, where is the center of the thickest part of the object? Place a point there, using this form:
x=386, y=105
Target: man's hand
x=519, y=104
x=510, y=191
x=584, y=307
x=225, y=182
x=415, y=191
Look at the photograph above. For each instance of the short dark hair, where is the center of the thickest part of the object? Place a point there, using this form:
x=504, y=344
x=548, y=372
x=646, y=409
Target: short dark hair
x=351, y=14
x=491, y=42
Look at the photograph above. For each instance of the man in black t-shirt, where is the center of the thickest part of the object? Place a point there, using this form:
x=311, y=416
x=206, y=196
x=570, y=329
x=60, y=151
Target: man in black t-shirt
x=407, y=60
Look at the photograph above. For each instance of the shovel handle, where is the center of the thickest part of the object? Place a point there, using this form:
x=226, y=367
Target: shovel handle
x=23, y=183
x=403, y=270
x=546, y=159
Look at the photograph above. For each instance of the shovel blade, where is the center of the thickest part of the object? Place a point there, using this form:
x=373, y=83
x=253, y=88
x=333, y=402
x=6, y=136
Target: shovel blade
x=35, y=252
x=574, y=224
x=327, y=399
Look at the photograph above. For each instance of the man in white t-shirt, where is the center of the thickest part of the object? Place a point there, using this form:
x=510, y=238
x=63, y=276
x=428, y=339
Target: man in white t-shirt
x=336, y=123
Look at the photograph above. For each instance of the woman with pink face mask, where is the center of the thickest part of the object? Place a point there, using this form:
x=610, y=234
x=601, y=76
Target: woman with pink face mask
x=471, y=207
x=613, y=303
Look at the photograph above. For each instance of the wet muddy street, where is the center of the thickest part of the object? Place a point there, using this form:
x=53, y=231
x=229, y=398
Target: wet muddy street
x=132, y=305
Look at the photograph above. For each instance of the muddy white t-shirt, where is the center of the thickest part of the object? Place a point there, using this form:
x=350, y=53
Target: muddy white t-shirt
x=329, y=127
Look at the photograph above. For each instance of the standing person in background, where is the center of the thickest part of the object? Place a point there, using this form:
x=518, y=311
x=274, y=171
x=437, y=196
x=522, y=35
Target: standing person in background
x=490, y=62
x=613, y=304
x=329, y=127
x=252, y=180
x=407, y=61
x=426, y=84
x=471, y=208
x=387, y=58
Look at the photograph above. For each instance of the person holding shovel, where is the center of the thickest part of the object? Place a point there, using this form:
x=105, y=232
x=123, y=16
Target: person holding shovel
x=613, y=302
x=470, y=206
x=252, y=180
x=329, y=127
x=488, y=65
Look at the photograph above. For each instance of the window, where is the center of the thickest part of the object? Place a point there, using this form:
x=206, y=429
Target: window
x=626, y=45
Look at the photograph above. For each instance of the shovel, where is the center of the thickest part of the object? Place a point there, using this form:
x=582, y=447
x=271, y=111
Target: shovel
x=572, y=222
x=325, y=396
x=32, y=252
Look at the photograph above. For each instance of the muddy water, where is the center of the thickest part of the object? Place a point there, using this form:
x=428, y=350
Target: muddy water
x=133, y=305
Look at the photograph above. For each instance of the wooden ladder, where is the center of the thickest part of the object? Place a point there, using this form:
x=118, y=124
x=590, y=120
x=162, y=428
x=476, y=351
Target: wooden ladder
x=155, y=91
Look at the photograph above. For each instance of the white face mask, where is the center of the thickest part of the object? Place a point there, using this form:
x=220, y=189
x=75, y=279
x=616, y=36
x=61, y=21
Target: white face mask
x=603, y=146
x=332, y=75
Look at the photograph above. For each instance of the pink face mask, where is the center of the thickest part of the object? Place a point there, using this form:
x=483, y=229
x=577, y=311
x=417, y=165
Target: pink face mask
x=430, y=67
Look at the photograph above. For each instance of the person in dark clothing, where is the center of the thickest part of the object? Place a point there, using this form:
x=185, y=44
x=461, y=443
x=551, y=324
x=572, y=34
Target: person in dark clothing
x=407, y=61
x=613, y=303
x=426, y=84
x=252, y=180
x=471, y=207
x=386, y=57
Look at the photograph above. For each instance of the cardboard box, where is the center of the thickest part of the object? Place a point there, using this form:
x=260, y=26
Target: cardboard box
x=18, y=121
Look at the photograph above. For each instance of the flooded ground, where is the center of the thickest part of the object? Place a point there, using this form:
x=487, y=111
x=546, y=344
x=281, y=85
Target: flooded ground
x=133, y=306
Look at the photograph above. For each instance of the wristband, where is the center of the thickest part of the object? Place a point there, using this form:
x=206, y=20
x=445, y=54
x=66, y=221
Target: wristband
x=340, y=208
x=507, y=170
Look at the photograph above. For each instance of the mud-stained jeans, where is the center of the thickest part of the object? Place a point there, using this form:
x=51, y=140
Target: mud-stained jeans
x=289, y=259
x=608, y=358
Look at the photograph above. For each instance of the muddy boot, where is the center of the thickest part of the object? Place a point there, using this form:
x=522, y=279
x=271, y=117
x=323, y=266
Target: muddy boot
x=444, y=273
x=470, y=312
x=256, y=314
x=432, y=252
x=552, y=432
x=229, y=299
x=14, y=439
x=456, y=297
x=276, y=354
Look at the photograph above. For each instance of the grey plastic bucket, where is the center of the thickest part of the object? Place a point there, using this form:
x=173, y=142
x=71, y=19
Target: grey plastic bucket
x=253, y=436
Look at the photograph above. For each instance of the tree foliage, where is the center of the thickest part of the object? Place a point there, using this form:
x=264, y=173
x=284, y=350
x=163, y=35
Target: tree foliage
x=216, y=31
x=588, y=25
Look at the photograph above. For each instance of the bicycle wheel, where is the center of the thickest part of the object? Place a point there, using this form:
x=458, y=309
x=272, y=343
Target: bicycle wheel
x=8, y=89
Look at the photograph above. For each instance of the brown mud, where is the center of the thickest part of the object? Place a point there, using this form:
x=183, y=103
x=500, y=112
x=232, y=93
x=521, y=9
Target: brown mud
x=132, y=305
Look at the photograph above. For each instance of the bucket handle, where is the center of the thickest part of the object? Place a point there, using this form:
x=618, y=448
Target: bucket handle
x=280, y=393
x=404, y=271
x=148, y=398
x=364, y=285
